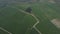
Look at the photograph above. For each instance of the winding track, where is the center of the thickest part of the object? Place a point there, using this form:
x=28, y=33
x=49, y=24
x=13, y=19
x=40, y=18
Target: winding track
x=5, y=30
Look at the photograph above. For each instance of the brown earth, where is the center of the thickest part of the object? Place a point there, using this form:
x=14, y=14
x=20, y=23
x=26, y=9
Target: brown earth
x=56, y=22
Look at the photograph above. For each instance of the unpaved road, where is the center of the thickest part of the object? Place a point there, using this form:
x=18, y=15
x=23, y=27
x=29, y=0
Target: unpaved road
x=5, y=30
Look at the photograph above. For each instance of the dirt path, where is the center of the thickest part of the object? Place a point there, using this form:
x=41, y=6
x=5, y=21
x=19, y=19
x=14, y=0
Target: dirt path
x=34, y=26
x=5, y=30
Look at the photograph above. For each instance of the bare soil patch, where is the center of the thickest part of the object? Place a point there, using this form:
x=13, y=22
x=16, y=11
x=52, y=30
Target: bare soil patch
x=56, y=22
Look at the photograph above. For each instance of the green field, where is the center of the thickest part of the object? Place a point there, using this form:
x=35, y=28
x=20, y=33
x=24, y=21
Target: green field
x=45, y=13
x=17, y=22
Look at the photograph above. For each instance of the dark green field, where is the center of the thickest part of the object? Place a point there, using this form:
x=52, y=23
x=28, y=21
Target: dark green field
x=45, y=13
x=17, y=22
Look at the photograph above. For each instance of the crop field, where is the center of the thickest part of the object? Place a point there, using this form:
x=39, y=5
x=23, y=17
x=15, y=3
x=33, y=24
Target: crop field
x=17, y=22
x=45, y=13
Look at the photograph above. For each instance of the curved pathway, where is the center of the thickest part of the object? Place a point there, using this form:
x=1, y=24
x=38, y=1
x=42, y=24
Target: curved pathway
x=5, y=30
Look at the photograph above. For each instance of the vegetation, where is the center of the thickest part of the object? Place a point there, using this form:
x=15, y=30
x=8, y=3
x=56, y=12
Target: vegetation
x=45, y=13
x=17, y=22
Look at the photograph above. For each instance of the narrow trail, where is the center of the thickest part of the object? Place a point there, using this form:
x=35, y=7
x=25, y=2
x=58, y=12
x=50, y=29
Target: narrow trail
x=35, y=19
x=34, y=26
x=5, y=30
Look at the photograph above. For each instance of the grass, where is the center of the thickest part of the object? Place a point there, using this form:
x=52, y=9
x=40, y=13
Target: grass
x=15, y=21
x=19, y=23
x=21, y=6
x=45, y=13
x=32, y=31
x=2, y=32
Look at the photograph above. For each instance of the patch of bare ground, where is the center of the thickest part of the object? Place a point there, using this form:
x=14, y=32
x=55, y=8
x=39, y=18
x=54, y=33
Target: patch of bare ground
x=56, y=22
